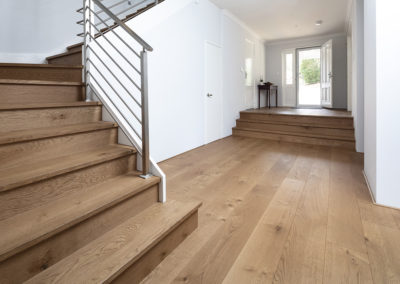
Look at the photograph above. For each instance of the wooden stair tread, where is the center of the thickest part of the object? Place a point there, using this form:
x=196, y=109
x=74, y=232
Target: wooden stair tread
x=119, y=248
x=39, y=82
x=41, y=66
x=75, y=45
x=46, y=105
x=303, y=124
x=300, y=134
x=41, y=133
x=31, y=227
x=67, y=53
x=14, y=177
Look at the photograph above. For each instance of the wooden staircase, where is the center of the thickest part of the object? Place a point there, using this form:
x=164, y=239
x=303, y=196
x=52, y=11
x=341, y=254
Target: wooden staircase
x=73, y=208
x=326, y=130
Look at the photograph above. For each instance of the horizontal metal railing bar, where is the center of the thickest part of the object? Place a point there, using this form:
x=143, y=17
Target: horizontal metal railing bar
x=116, y=78
x=119, y=52
x=141, y=41
x=122, y=127
x=114, y=5
x=105, y=93
x=111, y=86
x=114, y=33
x=125, y=10
x=123, y=71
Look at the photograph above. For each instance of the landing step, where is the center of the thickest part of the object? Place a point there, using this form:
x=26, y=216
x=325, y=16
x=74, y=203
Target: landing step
x=294, y=138
x=15, y=106
x=31, y=227
x=31, y=172
x=42, y=133
x=294, y=123
x=297, y=133
x=107, y=257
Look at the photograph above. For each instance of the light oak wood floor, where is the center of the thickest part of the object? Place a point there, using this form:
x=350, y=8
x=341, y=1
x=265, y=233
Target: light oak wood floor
x=279, y=213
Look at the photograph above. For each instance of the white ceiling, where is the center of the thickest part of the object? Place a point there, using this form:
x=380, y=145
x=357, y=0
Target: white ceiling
x=285, y=19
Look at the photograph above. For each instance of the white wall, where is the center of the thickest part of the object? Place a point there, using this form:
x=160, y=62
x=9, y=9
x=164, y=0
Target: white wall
x=33, y=30
x=273, y=51
x=357, y=43
x=178, y=31
x=382, y=135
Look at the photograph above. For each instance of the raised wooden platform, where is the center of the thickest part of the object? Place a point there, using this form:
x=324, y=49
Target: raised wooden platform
x=309, y=126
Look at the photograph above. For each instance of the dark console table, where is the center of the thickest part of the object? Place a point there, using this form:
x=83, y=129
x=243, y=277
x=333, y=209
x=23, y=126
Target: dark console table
x=268, y=87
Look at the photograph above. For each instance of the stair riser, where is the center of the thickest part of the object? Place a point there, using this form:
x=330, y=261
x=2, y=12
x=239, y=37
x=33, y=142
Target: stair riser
x=38, y=118
x=27, y=197
x=33, y=260
x=70, y=59
x=18, y=93
x=295, y=139
x=307, y=130
x=76, y=48
x=41, y=73
x=346, y=123
x=17, y=153
x=141, y=268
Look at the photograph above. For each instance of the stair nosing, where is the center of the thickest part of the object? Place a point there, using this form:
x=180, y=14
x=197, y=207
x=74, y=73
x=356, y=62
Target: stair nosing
x=299, y=115
x=85, y=214
x=12, y=107
x=28, y=65
x=344, y=139
x=39, y=82
x=46, y=134
x=69, y=169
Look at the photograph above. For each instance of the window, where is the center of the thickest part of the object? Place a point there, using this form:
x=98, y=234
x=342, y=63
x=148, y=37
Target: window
x=289, y=69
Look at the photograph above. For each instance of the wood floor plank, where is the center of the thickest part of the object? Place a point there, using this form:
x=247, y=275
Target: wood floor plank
x=218, y=205
x=346, y=258
x=259, y=258
x=213, y=261
x=302, y=260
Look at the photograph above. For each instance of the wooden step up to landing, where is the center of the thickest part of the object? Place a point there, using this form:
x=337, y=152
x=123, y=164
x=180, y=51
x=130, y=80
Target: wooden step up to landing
x=324, y=130
x=129, y=251
x=71, y=57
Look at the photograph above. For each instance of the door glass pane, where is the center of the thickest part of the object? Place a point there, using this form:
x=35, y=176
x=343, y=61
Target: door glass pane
x=289, y=69
x=309, y=80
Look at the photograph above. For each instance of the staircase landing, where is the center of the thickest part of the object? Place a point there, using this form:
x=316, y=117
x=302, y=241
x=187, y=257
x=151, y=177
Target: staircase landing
x=308, y=126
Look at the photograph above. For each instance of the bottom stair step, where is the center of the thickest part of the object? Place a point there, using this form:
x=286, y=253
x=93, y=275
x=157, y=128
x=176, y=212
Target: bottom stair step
x=130, y=251
x=295, y=138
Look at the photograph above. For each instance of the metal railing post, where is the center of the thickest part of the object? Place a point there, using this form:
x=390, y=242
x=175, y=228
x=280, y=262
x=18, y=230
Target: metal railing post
x=145, y=116
x=88, y=21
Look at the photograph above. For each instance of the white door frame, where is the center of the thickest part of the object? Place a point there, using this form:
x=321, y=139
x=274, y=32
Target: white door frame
x=205, y=91
x=327, y=75
x=286, y=98
x=298, y=74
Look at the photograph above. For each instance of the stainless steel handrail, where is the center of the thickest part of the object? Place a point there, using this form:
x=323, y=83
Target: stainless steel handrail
x=120, y=23
x=91, y=58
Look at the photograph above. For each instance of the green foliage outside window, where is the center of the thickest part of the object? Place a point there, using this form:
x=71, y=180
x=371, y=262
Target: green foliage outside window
x=311, y=71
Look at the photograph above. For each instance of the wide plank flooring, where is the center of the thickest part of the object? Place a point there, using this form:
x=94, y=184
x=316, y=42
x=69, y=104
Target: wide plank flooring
x=279, y=213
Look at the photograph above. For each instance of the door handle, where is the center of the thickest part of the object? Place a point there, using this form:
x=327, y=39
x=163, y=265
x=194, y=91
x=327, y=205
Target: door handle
x=209, y=95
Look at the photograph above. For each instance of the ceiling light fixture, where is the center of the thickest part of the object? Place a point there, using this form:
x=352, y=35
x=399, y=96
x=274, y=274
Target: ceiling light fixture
x=318, y=23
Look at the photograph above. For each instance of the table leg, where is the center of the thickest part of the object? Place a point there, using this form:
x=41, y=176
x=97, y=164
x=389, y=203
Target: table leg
x=277, y=97
x=259, y=98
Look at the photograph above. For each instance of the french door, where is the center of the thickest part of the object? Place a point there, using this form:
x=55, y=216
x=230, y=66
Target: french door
x=326, y=74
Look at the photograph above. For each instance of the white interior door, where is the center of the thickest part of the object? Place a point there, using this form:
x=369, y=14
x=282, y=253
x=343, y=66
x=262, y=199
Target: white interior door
x=213, y=93
x=326, y=75
x=289, y=78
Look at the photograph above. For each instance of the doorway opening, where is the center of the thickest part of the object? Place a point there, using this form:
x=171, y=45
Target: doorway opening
x=309, y=77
